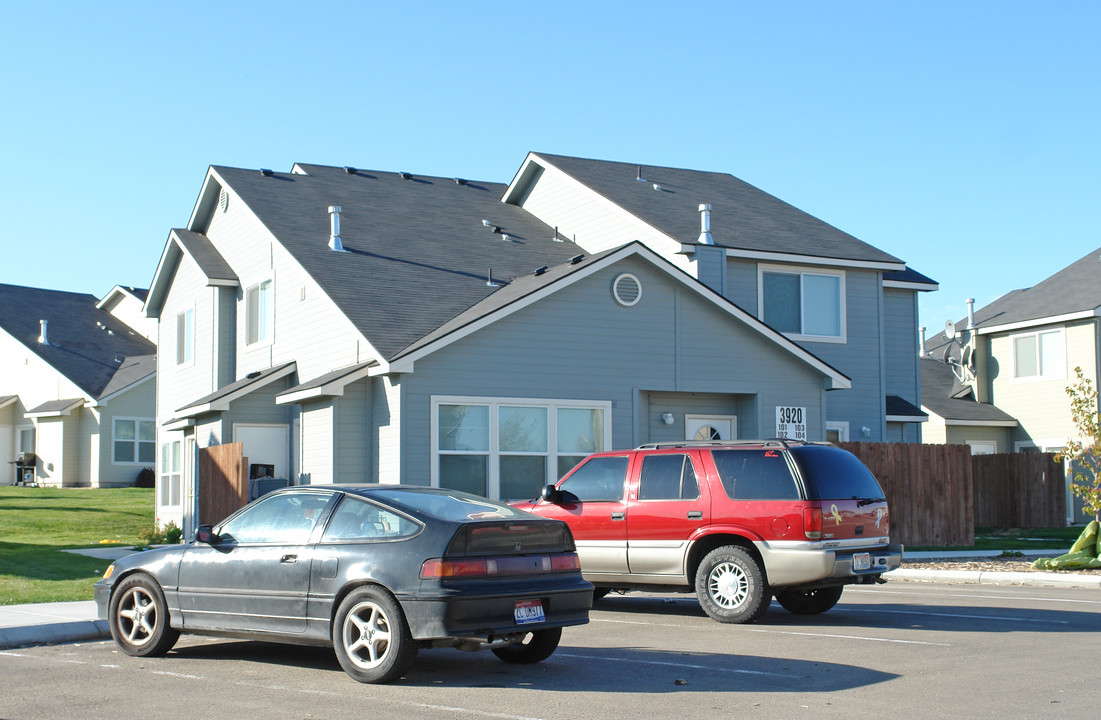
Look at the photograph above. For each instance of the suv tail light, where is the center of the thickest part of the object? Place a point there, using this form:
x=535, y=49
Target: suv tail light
x=812, y=523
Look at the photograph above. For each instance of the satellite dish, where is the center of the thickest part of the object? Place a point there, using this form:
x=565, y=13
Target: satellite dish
x=950, y=330
x=967, y=358
x=946, y=356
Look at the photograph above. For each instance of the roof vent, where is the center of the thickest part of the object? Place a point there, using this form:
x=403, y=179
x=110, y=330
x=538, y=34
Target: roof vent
x=490, y=282
x=970, y=313
x=404, y=175
x=658, y=187
x=349, y=170
x=626, y=289
x=705, y=226
x=556, y=238
x=265, y=172
x=334, y=233
x=253, y=375
x=576, y=259
x=460, y=181
x=506, y=237
x=539, y=271
x=42, y=337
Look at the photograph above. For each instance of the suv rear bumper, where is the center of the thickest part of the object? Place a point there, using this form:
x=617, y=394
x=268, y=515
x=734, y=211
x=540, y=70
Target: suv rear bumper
x=788, y=567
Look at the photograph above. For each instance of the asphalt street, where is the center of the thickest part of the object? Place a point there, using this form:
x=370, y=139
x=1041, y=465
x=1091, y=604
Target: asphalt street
x=907, y=649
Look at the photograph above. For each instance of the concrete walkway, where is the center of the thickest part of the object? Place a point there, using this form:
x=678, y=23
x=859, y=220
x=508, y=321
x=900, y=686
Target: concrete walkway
x=68, y=622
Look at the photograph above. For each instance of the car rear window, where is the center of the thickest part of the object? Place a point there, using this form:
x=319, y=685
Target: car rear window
x=452, y=505
x=831, y=473
x=755, y=475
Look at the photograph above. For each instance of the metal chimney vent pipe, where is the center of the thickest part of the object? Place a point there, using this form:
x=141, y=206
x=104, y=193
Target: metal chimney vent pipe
x=970, y=313
x=43, y=339
x=334, y=234
x=705, y=226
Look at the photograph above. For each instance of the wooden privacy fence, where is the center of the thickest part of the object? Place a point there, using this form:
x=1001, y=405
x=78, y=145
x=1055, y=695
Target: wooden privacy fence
x=223, y=482
x=928, y=487
x=1019, y=490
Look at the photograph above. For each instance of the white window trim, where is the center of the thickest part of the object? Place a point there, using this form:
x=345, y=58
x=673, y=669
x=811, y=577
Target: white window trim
x=802, y=270
x=190, y=361
x=982, y=443
x=164, y=475
x=1054, y=445
x=841, y=426
x=270, y=315
x=136, y=441
x=19, y=430
x=1062, y=370
x=493, y=479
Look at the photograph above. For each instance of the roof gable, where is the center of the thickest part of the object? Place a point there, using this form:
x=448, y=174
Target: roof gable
x=86, y=344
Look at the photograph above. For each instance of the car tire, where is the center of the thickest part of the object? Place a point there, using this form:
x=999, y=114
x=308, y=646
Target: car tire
x=535, y=647
x=138, y=616
x=809, y=602
x=371, y=636
x=731, y=587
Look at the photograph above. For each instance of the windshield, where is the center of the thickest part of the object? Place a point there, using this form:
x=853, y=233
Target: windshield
x=831, y=473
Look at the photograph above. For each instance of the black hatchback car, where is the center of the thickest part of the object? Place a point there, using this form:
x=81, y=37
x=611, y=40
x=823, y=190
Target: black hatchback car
x=377, y=571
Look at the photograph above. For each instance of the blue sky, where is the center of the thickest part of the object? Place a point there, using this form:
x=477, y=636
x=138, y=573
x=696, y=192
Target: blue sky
x=960, y=137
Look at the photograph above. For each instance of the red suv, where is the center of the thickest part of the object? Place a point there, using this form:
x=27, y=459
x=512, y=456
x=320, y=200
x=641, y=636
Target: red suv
x=737, y=522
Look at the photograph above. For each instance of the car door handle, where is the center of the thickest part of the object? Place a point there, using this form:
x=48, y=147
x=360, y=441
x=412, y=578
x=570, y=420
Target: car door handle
x=695, y=514
x=289, y=559
x=618, y=516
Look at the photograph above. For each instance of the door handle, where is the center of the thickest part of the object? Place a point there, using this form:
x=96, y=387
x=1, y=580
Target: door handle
x=695, y=514
x=288, y=559
x=618, y=516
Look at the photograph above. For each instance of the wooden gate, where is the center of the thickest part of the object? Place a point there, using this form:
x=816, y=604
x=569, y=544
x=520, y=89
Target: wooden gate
x=223, y=482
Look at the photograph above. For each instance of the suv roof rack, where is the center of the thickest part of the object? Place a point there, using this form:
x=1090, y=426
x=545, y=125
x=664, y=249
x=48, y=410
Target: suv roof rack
x=770, y=442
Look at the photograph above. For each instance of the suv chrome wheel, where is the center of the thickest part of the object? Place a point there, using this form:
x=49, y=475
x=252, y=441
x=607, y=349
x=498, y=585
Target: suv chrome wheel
x=731, y=587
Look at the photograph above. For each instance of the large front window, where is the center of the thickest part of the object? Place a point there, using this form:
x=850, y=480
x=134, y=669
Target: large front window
x=134, y=441
x=1039, y=356
x=510, y=449
x=805, y=304
x=258, y=313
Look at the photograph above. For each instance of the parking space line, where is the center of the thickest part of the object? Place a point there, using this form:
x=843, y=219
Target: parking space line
x=998, y=618
x=660, y=663
x=848, y=637
x=974, y=596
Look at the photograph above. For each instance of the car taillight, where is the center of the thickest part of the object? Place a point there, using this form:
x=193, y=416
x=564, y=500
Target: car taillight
x=465, y=567
x=565, y=563
x=812, y=523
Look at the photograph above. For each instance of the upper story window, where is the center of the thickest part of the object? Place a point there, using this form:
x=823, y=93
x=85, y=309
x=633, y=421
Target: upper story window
x=259, y=312
x=802, y=303
x=185, y=336
x=1039, y=355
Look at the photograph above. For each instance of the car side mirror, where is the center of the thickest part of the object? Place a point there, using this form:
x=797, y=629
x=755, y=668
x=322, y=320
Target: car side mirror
x=205, y=535
x=551, y=494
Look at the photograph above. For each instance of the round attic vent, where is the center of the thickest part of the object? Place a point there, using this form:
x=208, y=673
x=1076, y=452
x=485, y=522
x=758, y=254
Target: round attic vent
x=223, y=200
x=626, y=289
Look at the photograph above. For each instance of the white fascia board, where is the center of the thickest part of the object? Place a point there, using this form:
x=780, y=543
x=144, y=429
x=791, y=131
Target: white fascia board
x=208, y=198
x=514, y=186
x=920, y=287
x=170, y=258
x=104, y=400
x=57, y=413
x=116, y=290
x=1051, y=320
x=334, y=388
x=690, y=248
x=837, y=380
x=906, y=418
x=222, y=404
x=178, y=423
x=9, y=401
x=983, y=423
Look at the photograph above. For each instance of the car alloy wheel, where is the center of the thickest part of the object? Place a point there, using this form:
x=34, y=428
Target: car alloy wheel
x=139, y=618
x=371, y=636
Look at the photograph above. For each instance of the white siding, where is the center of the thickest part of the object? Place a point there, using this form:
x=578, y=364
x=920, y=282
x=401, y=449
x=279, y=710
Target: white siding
x=128, y=309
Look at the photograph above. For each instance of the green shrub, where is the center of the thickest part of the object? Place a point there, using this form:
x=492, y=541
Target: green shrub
x=169, y=534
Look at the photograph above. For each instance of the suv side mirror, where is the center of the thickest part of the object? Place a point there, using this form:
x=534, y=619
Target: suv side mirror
x=551, y=494
x=205, y=535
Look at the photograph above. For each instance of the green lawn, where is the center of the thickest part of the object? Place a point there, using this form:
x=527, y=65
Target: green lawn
x=1017, y=539
x=36, y=524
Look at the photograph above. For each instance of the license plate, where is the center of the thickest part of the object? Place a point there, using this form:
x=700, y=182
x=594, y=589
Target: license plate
x=529, y=611
x=862, y=561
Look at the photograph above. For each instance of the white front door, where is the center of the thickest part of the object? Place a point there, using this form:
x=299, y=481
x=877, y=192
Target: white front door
x=710, y=427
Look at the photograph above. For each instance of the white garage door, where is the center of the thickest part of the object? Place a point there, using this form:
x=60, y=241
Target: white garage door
x=266, y=445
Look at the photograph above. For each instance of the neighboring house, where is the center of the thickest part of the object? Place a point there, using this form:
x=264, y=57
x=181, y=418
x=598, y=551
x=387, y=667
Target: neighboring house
x=1004, y=373
x=76, y=388
x=355, y=326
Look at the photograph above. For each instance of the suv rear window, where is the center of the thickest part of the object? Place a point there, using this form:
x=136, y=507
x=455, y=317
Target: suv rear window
x=831, y=473
x=755, y=475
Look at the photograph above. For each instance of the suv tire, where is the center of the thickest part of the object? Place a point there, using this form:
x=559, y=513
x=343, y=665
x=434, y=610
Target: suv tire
x=731, y=587
x=809, y=602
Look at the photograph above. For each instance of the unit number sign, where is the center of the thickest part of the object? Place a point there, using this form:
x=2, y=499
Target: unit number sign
x=791, y=422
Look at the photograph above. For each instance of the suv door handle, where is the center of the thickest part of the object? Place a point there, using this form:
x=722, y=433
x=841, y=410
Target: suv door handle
x=695, y=514
x=288, y=559
x=618, y=516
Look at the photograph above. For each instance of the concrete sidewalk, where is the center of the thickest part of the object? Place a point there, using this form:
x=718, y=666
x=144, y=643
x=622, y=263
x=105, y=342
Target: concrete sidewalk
x=68, y=622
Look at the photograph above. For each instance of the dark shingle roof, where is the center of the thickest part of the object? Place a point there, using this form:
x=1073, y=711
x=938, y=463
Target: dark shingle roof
x=203, y=252
x=743, y=216
x=417, y=254
x=938, y=382
x=900, y=407
x=80, y=349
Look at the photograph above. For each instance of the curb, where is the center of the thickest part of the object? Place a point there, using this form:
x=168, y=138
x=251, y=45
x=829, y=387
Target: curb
x=54, y=633
x=976, y=577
